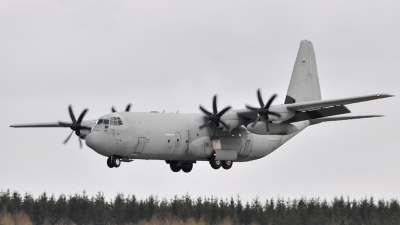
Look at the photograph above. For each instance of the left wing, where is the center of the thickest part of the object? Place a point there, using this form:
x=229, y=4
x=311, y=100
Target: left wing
x=303, y=106
x=320, y=120
x=57, y=124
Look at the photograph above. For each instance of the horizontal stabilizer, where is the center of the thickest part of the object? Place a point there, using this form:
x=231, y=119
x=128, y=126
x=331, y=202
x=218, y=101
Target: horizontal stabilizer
x=303, y=106
x=320, y=120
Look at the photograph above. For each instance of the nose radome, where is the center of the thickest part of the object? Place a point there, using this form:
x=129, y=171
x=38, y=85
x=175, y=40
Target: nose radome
x=98, y=142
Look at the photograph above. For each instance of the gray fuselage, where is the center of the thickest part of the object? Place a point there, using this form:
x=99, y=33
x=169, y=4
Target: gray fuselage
x=167, y=136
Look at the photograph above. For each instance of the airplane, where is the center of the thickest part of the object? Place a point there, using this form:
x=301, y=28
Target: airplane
x=218, y=137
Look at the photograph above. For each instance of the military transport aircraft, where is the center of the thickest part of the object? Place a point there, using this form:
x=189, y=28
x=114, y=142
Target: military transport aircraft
x=219, y=137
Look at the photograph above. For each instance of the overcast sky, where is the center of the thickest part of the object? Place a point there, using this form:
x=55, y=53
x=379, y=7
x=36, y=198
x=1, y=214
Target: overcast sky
x=174, y=55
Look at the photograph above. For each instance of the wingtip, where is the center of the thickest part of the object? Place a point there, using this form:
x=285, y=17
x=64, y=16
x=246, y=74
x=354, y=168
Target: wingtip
x=385, y=95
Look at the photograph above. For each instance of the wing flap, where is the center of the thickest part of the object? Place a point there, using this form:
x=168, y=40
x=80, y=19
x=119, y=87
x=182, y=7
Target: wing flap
x=303, y=106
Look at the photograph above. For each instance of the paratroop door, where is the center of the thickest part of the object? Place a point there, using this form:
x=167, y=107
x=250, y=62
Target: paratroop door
x=140, y=145
x=247, y=146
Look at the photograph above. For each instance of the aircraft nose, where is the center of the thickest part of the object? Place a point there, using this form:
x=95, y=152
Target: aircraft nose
x=98, y=142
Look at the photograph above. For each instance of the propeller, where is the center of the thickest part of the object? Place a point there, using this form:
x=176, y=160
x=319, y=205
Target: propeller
x=75, y=125
x=264, y=109
x=215, y=116
x=128, y=107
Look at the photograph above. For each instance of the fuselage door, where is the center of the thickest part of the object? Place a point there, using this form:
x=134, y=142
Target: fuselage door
x=140, y=144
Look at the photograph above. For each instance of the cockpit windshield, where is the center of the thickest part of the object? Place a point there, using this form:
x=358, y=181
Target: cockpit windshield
x=114, y=121
x=103, y=121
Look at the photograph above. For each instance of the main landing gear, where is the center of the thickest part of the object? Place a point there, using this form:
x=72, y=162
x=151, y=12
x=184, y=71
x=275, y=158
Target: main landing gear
x=113, y=161
x=176, y=166
x=216, y=164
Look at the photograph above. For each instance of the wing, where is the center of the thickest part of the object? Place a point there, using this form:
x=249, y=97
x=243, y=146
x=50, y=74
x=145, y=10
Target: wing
x=56, y=124
x=85, y=123
x=320, y=120
x=303, y=106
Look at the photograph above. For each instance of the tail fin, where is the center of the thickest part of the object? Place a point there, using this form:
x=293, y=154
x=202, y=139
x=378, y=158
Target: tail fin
x=304, y=84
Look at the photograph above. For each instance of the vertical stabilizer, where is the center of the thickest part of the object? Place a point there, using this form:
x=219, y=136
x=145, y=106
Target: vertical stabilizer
x=304, y=84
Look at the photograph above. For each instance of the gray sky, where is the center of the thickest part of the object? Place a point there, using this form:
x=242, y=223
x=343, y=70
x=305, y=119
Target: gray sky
x=174, y=55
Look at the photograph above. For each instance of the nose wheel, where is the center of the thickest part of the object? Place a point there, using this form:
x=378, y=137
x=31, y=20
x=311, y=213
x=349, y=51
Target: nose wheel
x=113, y=162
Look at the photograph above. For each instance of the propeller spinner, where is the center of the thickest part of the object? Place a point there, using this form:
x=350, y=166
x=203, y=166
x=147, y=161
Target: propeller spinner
x=215, y=116
x=264, y=109
x=75, y=125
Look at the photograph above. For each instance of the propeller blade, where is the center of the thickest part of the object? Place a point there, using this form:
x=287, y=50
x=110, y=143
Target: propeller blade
x=81, y=116
x=205, y=110
x=113, y=109
x=258, y=119
x=260, y=100
x=215, y=131
x=252, y=108
x=215, y=110
x=66, y=140
x=80, y=143
x=226, y=126
x=71, y=114
x=224, y=111
x=270, y=101
x=204, y=125
x=128, y=107
x=275, y=114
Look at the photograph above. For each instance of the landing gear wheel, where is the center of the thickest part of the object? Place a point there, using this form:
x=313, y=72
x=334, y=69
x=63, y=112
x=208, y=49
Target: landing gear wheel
x=109, y=162
x=215, y=164
x=187, y=168
x=116, y=162
x=175, y=167
x=227, y=164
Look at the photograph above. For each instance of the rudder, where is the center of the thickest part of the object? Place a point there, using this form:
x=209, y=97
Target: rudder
x=304, y=84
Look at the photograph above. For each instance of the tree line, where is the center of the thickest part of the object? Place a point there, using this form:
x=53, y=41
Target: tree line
x=82, y=209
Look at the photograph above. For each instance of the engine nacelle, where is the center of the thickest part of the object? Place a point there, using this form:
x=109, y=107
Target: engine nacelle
x=274, y=129
x=232, y=119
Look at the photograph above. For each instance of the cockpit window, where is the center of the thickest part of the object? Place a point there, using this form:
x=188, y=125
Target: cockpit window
x=99, y=121
x=106, y=122
x=115, y=121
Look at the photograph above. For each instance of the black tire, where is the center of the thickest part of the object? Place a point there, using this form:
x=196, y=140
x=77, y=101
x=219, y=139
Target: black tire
x=116, y=162
x=109, y=163
x=175, y=167
x=187, y=168
x=215, y=164
x=227, y=164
